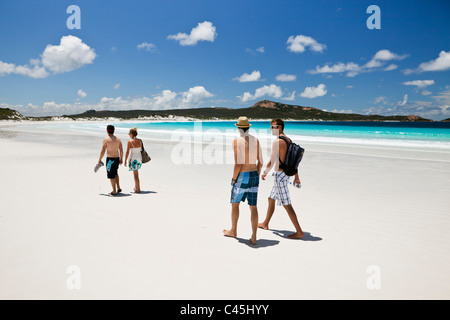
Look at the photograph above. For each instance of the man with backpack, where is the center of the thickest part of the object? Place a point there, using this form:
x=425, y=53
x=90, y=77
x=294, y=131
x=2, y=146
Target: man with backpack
x=284, y=158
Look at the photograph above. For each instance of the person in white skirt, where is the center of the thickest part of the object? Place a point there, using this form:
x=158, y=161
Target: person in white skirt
x=134, y=147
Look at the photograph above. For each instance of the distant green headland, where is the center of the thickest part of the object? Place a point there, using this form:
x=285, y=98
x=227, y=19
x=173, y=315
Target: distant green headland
x=264, y=109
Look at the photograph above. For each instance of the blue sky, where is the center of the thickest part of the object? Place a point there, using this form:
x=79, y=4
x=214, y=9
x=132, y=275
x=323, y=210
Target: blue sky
x=182, y=54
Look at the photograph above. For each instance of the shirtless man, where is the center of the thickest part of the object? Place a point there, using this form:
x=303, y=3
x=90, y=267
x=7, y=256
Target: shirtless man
x=114, y=154
x=280, y=191
x=244, y=184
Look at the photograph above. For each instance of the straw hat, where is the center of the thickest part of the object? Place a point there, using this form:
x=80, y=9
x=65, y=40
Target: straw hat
x=242, y=122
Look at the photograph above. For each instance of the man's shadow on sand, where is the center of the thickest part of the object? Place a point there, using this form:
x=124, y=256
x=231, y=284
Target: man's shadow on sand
x=284, y=234
x=122, y=194
x=260, y=243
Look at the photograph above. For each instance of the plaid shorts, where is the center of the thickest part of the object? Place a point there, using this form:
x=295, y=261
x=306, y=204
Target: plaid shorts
x=280, y=191
x=246, y=187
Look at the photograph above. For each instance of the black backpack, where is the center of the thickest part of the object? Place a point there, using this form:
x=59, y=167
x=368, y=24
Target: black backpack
x=294, y=155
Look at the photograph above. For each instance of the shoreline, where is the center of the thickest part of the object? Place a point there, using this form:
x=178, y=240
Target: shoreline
x=161, y=135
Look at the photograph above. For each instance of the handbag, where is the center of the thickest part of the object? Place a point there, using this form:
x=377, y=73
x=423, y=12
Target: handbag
x=145, y=157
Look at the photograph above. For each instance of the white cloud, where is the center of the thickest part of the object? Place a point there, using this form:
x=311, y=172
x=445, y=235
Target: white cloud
x=256, y=51
x=150, y=47
x=386, y=55
x=272, y=90
x=286, y=77
x=405, y=100
x=381, y=99
x=204, y=31
x=299, y=43
x=381, y=57
x=437, y=109
x=441, y=63
x=81, y=94
x=194, y=96
x=36, y=72
x=291, y=97
x=314, y=92
x=391, y=67
x=419, y=83
x=117, y=86
x=167, y=99
x=352, y=69
x=254, y=76
x=69, y=55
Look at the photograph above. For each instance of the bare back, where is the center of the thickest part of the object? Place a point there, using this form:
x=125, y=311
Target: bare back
x=248, y=152
x=113, y=145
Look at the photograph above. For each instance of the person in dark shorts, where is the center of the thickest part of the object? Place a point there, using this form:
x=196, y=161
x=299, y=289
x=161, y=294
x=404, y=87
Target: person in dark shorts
x=114, y=155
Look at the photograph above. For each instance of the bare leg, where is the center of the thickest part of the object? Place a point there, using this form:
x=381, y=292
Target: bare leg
x=234, y=219
x=270, y=210
x=254, y=220
x=291, y=213
x=113, y=184
x=137, y=186
x=117, y=183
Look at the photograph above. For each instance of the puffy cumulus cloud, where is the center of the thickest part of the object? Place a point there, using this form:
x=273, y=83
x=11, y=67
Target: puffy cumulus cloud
x=441, y=63
x=272, y=90
x=81, y=94
x=35, y=72
x=352, y=69
x=70, y=54
x=166, y=99
x=299, y=43
x=246, y=77
x=194, y=96
x=286, y=77
x=204, y=31
x=386, y=55
x=314, y=92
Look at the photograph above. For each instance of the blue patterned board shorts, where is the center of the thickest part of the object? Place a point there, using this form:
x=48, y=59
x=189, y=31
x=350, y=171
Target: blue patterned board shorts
x=246, y=187
x=112, y=165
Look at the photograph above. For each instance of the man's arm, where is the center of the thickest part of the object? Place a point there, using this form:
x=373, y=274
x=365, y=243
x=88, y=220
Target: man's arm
x=273, y=158
x=237, y=167
x=260, y=158
x=120, y=152
x=127, y=153
x=296, y=179
x=102, y=152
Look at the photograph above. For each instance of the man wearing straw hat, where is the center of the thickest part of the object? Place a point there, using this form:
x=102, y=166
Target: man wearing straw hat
x=245, y=181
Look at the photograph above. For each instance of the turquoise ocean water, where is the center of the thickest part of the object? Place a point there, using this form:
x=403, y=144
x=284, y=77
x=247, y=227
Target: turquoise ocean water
x=401, y=134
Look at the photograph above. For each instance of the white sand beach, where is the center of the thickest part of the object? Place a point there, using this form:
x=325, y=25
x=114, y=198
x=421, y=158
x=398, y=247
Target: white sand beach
x=376, y=219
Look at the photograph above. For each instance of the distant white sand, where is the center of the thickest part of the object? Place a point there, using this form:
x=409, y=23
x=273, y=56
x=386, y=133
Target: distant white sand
x=377, y=223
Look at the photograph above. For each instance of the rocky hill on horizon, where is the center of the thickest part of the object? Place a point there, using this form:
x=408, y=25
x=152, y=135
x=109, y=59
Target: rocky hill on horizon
x=264, y=109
